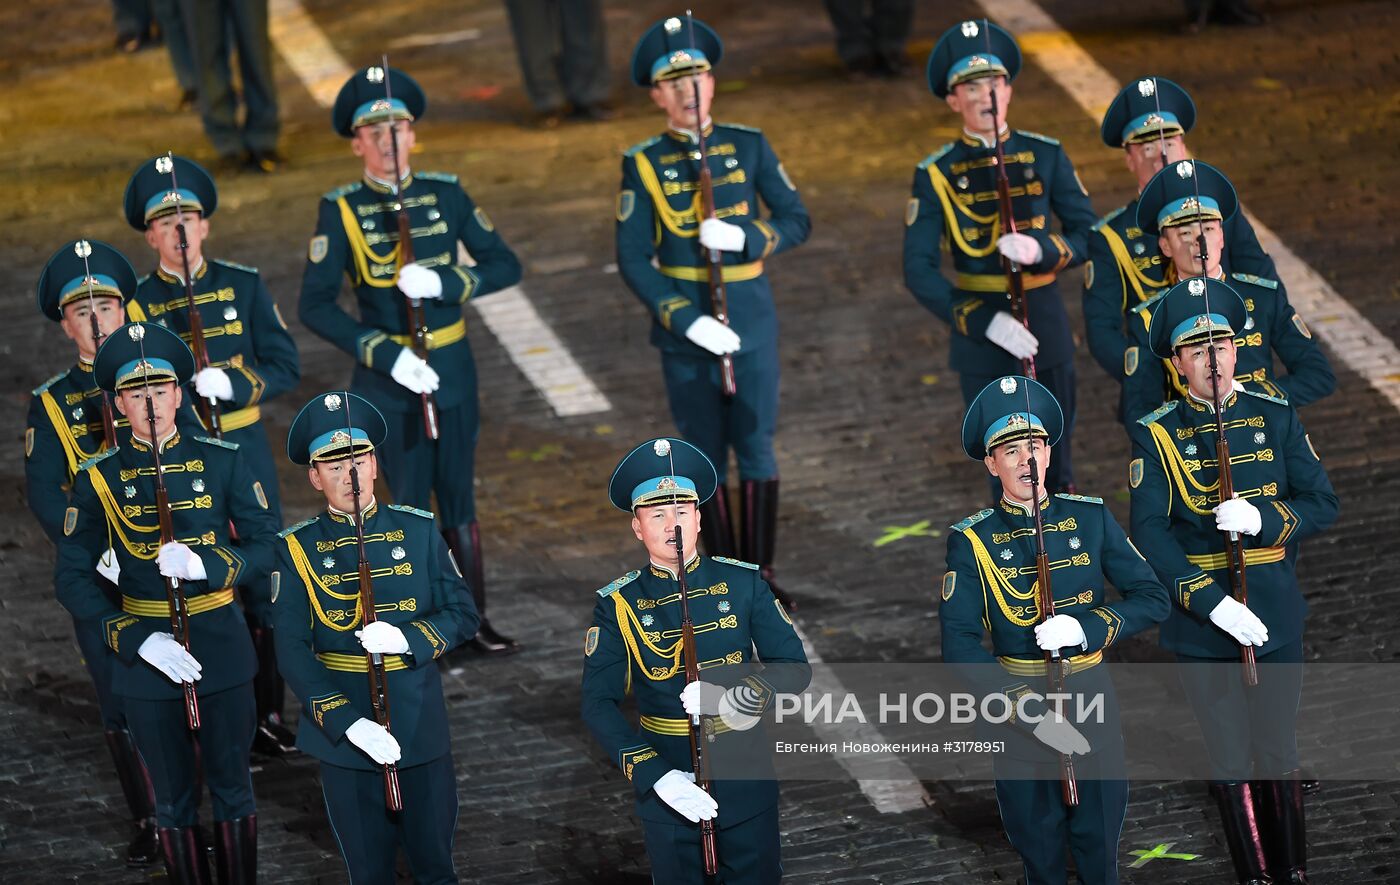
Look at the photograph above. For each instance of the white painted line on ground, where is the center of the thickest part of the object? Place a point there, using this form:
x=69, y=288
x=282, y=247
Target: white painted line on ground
x=1359, y=345
x=531, y=344
x=902, y=792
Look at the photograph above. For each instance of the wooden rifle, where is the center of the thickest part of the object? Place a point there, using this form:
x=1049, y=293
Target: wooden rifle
x=174, y=591
x=109, y=420
x=701, y=728
x=208, y=409
x=714, y=260
x=1015, y=285
x=417, y=324
x=378, y=679
x=1056, y=667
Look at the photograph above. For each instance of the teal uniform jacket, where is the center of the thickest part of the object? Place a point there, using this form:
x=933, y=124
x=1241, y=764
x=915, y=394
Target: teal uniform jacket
x=243, y=332
x=209, y=486
x=63, y=430
x=357, y=237
x=658, y=218
x=955, y=201
x=1125, y=268
x=990, y=588
x=1175, y=484
x=1274, y=328
x=634, y=647
x=316, y=611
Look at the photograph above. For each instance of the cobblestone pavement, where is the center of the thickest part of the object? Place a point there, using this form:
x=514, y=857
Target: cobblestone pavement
x=1302, y=114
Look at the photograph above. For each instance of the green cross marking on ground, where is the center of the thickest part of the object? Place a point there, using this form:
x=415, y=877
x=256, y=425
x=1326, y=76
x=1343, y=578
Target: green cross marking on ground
x=1162, y=850
x=546, y=451
x=919, y=529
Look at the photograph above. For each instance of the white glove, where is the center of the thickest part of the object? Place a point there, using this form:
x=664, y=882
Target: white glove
x=414, y=373
x=1061, y=631
x=1022, y=249
x=175, y=560
x=161, y=651
x=375, y=740
x=212, y=383
x=1236, y=386
x=1012, y=336
x=419, y=282
x=677, y=789
x=721, y=235
x=1238, y=515
x=713, y=335
x=1060, y=736
x=108, y=567
x=702, y=698
x=1235, y=618
x=382, y=638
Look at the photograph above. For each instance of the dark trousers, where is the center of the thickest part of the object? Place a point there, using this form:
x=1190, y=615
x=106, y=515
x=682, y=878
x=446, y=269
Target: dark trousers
x=177, y=42
x=227, y=722
x=750, y=852
x=714, y=423
x=215, y=29
x=1060, y=382
x=417, y=468
x=563, y=51
x=370, y=835
x=1040, y=825
x=1250, y=733
x=867, y=30
x=99, y=663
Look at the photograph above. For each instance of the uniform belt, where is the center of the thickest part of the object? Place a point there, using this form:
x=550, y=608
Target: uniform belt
x=1258, y=556
x=733, y=273
x=357, y=663
x=1036, y=666
x=436, y=338
x=996, y=282
x=240, y=418
x=160, y=608
x=662, y=725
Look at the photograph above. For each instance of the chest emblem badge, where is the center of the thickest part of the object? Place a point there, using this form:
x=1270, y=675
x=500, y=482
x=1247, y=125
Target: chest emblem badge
x=130, y=491
x=1191, y=449
x=1139, y=248
x=328, y=562
x=197, y=485
x=230, y=313
x=723, y=605
x=962, y=182
x=648, y=620
x=1006, y=553
x=730, y=163
x=672, y=174
x=1259, y=438
x=397, y=553
x=78, y=413
x=1075, y=543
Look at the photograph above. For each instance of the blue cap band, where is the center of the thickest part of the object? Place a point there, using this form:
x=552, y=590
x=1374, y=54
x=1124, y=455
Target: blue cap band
x=664, y=488
x=1201, y=324
x=1016, y=422
x=335, y=440
x=980, y=65
x=379, y=110
x=167, y=202
x=686, y=59
x=1152, y=122
x=77, y=288
x=1188, y=209
x=142, y=371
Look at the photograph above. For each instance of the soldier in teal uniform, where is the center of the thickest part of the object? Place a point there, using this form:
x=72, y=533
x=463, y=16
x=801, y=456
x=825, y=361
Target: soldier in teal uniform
x=990, y=587
x=1169, y=208
x=212, y=494
x=424, y=610
x=357, y=237
x=1281, y=496
x=65, y=428
x=1149, y=120
x=634, y=647
x=663, y=236
x=955, y=199
x=252, y=359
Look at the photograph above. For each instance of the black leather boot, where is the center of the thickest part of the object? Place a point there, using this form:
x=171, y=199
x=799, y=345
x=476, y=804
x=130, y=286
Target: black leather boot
x=140, y=800
x=272, y=739
x=717, y=525
x=236, y=851
x=759, y=511
x=185, y=860
x=465, y=543
x=1239, y=816
x=1285, y=834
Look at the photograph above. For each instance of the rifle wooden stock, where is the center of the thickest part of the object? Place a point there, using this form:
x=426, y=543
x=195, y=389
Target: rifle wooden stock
x=1015, y=285
x=1234, y=549
x=714, y=261
x=1055, y=665
x=174, y=593
x=700, y=727
x=207, y=409
x=109, y=419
